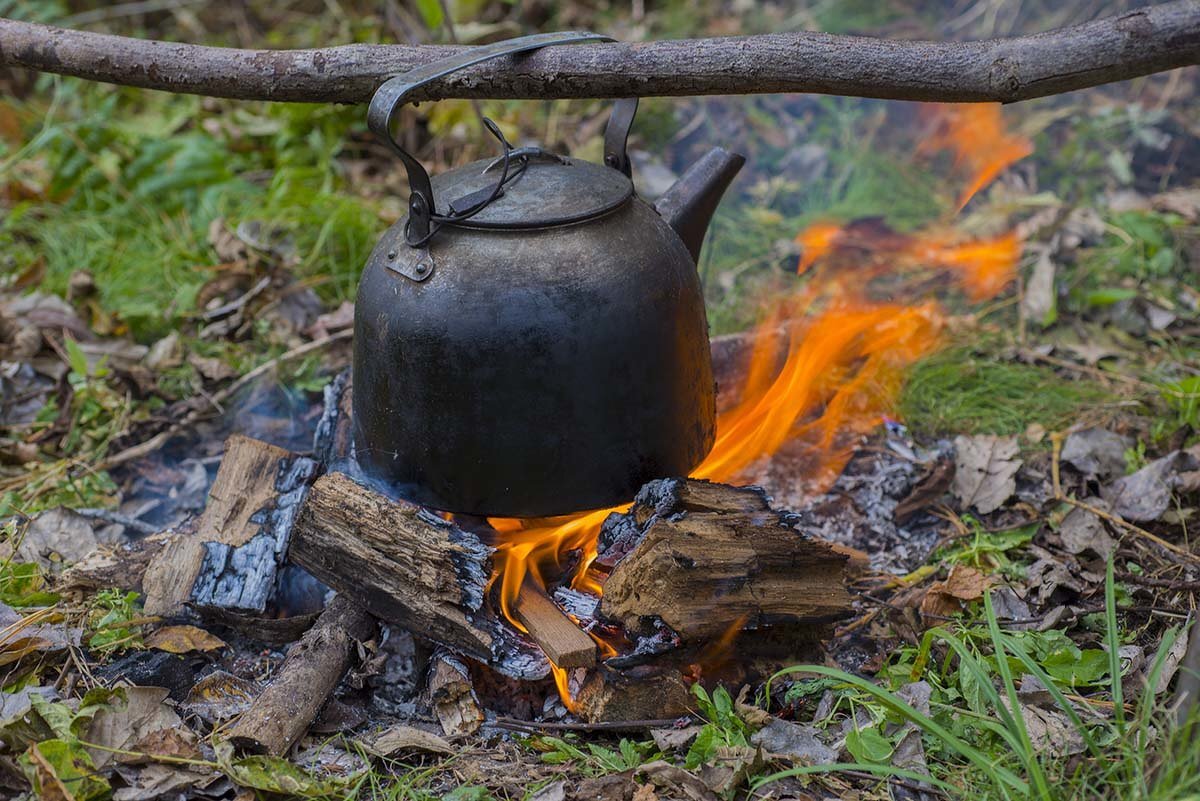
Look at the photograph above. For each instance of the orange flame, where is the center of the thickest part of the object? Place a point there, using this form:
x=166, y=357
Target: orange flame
x=975, y=133
x=828, y=361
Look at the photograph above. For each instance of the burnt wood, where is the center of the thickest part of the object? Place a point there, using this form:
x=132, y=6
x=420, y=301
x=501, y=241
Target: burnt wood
x=711, y=558
x=409, y=567
x=1116, y=48
x=231, y=560
x=451, y=693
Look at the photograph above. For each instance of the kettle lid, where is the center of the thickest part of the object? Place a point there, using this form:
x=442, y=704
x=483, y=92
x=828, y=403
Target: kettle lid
x=550, y=190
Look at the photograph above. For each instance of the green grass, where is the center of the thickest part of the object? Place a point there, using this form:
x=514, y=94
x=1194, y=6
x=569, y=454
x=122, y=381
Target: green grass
x=960, y=391
x=977, y=745
x=130, y=192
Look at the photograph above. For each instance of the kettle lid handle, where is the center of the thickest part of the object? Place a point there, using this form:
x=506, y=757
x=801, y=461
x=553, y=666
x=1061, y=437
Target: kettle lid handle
x=397, y=91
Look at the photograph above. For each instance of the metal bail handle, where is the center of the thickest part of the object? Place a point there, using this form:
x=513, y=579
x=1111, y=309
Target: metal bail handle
x=395, y=92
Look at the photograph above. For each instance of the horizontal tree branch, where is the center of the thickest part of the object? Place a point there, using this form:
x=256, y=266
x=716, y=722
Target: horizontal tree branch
x=1136, y=43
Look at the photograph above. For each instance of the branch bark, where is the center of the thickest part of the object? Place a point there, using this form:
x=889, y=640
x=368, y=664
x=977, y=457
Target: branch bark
x=1138, y=42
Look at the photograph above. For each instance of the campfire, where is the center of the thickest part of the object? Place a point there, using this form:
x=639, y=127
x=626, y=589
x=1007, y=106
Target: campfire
x=696, y=579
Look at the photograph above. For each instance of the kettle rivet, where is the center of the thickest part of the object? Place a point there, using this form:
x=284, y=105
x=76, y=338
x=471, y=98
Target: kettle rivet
x=421, y=268
x=391, y=254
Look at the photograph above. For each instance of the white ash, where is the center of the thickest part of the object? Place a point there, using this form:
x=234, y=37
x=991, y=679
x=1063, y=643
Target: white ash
x=394, y=688
x=859, y=510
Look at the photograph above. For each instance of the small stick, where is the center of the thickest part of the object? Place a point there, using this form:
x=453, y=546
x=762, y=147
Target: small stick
x=283, y=711
x=613, y=725
x=160, y=439
x=564, y=643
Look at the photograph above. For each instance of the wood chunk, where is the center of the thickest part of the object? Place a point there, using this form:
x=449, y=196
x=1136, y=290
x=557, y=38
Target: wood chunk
x=704, y=572
x=608, y=695
x=564, y=643
x=409, y=567
x=314, y=666
x=452, y=694
x=232, y=558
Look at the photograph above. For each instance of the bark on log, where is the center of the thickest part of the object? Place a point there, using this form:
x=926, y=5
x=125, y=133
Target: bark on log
x=705, y=558
x=608, y=695
x=230, y=561
x=1134, y=43
x=407, y=566
x=311, y=672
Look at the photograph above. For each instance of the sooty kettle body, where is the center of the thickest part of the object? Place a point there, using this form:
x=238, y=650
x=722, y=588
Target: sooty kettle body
x=531, y=339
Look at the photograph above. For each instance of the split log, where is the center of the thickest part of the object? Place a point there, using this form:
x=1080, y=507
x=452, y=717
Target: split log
x=709, y=557
x=409, y=567
x=608, y=695
x=1137, y=42
x=311, y=672
x=563, y=642
x=451, y=693
x=231, y=560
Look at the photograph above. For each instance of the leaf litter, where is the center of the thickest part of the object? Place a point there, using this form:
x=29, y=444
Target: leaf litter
x=1098, y=354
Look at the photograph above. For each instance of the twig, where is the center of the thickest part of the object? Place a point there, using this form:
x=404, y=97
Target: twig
x=1137, y=42
x=109, y=516
x=160, y=439
x=514, y=724
x=1181, y=585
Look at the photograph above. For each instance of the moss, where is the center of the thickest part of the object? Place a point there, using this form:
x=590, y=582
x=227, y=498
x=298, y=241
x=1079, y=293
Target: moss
x=960, y=391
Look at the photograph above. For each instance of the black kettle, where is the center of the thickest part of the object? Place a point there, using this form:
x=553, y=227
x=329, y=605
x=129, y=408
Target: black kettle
x=531, y=339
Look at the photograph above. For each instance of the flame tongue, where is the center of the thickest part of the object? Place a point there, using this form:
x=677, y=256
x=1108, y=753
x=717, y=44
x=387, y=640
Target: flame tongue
x=828, y=362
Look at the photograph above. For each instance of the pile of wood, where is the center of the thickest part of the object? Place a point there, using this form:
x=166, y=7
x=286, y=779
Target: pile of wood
x=689, y=568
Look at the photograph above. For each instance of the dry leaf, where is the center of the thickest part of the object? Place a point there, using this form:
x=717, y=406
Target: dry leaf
x=1096, y=453
x=1038, y=304
x=143, y=714
x=176, y=743
x=682, y=784
x=1081, y=530
x=963, y=583
x=645, y=792
x=220, y=696
x=986, y=470
x=1145, y=495
x=405, y=738
x=182, y=639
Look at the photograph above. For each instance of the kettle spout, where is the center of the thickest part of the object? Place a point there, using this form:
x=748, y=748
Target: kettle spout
x=689, y=204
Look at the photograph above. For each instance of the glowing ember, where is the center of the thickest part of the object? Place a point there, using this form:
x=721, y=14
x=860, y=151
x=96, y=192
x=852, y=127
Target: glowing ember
x=828, y=361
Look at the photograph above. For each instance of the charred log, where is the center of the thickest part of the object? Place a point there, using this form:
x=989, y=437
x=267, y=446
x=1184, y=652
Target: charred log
x=710, y=557
x=451, y=694
x=409, y=567
x=232, y=558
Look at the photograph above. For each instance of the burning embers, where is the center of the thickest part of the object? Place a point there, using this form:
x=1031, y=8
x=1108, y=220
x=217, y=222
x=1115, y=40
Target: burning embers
x=826, y=366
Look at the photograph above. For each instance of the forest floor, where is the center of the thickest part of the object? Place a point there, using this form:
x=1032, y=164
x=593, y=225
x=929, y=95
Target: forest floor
x=1027, y=504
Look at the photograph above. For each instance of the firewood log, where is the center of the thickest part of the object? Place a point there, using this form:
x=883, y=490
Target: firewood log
x=311, y=672
x=409, y=567
x=711, y=557
x=231, y=559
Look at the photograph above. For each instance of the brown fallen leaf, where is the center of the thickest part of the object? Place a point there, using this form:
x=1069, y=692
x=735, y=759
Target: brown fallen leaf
x=645, y=792
x=986, y=470
x=183, y=639
x=174, y=743
x=401, y=738
x=220, y=696
x=962, y=584
x=680, y=782
x=144, y=713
